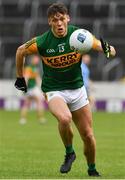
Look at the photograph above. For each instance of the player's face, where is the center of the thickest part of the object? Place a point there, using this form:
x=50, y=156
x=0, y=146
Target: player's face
x=58, y=24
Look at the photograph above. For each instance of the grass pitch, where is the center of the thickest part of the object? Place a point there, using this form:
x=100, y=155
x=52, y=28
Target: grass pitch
x=35, y=151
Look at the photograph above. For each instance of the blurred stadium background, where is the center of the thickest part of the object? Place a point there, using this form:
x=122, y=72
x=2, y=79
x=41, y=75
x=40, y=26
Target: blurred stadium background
x=21, y=20
x=35, y=151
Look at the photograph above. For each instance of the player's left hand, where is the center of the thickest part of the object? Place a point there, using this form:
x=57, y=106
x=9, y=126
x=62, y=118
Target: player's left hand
x=106, y=48
x=20, y=84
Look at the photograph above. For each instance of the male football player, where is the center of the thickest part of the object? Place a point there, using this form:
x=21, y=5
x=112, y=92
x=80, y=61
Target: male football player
x=34, y=93
x=62, y=83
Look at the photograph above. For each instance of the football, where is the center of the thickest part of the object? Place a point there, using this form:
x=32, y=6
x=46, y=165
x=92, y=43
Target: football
x=81, y=41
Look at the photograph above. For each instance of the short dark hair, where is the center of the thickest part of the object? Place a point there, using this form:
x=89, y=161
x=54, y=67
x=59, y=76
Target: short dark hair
x=55, y=8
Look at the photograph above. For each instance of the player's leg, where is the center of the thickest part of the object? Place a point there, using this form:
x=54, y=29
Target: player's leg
x=60, y=110
x=83, y=121
x=24, y=109
x=38, y=98
x=91, y=98
x=39, y=109
x=92, y=102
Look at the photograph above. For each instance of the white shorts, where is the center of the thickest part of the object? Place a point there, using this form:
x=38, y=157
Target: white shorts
x=34, y=92
x=75, y=98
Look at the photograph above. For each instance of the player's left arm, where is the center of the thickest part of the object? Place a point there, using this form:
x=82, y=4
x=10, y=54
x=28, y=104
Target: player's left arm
x=102, y=46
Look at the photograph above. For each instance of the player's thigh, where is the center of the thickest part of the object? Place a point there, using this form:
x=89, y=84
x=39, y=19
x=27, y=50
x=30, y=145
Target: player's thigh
x=59, y=109
x=83, y=119
x=38, y=102
x=37, y=99
x=26, y=102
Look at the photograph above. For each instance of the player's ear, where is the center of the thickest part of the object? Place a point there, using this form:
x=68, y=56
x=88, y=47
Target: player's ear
x=68, y=18
x=49, y=21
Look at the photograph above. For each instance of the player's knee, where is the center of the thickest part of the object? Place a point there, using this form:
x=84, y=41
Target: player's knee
x=65, y=119
x=88, y=137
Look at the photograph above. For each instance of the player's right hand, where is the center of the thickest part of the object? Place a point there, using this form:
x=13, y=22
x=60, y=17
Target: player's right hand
x=20, y=84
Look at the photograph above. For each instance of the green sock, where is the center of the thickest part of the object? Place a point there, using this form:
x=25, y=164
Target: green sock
x=69, y=149
x=91, y=166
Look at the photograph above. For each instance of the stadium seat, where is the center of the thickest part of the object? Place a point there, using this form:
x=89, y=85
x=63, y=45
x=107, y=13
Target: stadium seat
x=12, y=10
x=109, y=32
x=1, y=10
x=89, y=11
x=10, y=48
x=120, y=48
x=39, y=28
x=121, y=10
x=11, y=28
x=42, y=11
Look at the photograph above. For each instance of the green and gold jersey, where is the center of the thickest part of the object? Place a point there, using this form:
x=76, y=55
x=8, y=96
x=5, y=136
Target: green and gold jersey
x=61, y=65
x=31, y=73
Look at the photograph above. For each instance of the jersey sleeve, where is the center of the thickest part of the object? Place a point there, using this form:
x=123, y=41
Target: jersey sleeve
x=31, y=46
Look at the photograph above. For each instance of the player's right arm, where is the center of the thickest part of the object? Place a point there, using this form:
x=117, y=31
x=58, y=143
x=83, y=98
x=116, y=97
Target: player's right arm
x=29, y=48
